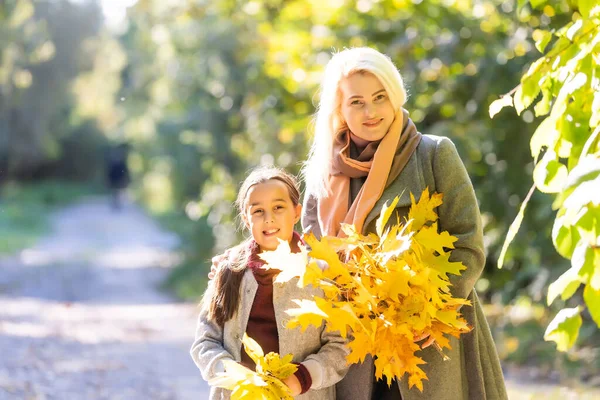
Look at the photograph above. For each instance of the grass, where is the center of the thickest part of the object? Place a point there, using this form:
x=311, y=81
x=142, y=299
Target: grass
x=24, y=210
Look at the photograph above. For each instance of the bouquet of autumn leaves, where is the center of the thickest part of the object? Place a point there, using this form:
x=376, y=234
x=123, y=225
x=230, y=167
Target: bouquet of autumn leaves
x=266, y=383
x=382, y=291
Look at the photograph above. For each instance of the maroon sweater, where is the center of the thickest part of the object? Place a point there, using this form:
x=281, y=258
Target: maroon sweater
x=262, y=325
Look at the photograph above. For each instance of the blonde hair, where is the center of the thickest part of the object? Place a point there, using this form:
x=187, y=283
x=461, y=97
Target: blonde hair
x=328, y=120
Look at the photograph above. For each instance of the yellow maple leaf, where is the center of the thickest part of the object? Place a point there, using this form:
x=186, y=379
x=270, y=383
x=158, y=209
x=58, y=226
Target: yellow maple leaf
x=235, y=373
x=290, y=264
x=252, y=348
x=308, y=313
x=423, y=211
x=320, y=249
x=384, y=216
x=264, y=383
x=394, y=243
x=429, y=238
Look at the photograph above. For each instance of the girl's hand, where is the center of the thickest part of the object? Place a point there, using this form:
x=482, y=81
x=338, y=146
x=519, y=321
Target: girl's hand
x=427, y=336
x=294, y=384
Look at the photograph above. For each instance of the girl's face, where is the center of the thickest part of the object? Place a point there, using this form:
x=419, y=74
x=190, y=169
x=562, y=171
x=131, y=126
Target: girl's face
x=270, y=214
x=365, y=107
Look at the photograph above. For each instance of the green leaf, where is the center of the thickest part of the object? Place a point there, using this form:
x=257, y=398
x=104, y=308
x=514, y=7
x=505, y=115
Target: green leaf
x=537, y=4
x=564, y=328
x=590, y=271
x=589, y=8
x=575, y=83
x=594, y=281
x=497, y=105
x=589, y=144
x=545, y=135
x=514, y=228
x=564, y=236
x=587, y=222
x=587, y=192
x=542, y=38
x=565, y=285
x=550, y=174
x=574, y=29
x=595, y=119
x=583, y=261
x=592, y=300
x=530, y=85
x=543, y=106
x=587, y=169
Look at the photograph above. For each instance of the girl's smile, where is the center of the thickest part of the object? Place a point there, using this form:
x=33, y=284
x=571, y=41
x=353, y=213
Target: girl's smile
x=270, y=213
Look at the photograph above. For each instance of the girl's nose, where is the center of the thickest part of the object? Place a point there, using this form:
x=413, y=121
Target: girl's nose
x=268, y=216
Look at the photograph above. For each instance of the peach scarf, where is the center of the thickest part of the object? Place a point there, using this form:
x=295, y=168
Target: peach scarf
x=389, y=158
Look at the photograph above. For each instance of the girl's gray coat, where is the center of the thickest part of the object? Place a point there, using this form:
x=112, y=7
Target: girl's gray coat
x=473, y=371
x=323, y=353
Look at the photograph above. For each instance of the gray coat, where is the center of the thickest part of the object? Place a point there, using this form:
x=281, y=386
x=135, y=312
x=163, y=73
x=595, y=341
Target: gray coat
x=473, y=371
x=322, y=353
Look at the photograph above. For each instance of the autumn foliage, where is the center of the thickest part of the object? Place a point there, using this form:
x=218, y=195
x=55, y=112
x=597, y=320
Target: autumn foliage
x=266, y=383
x=382, y=290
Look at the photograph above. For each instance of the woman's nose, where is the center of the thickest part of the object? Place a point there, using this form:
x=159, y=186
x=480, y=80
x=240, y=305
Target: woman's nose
x=369, y=110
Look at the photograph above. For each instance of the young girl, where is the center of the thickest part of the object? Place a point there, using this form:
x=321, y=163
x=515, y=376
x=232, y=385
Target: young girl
x=366, y=151
x=243, y=298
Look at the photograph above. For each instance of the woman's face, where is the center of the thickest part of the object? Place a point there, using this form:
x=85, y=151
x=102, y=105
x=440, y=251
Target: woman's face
x=365, y=107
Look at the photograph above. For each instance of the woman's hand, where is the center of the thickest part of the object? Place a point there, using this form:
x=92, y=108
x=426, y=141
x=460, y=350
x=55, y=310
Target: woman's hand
x=424, y=336
x=294, y=384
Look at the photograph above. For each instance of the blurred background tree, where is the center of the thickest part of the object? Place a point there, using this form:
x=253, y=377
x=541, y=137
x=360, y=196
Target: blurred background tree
x=45, y=48
x=202, y=90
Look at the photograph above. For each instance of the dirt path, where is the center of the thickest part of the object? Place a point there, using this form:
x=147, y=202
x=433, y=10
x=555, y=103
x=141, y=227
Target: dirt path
x=81, y=316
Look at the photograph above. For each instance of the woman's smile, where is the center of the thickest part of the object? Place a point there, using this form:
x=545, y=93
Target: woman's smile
x=373, y=123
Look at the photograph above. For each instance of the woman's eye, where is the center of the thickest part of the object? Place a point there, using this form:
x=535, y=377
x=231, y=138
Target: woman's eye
x=278, y=208
x=356, y=103
x=257, y=211
x=380, y=97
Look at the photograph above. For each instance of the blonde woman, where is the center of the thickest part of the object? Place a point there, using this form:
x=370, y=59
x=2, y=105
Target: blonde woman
x=367, y=151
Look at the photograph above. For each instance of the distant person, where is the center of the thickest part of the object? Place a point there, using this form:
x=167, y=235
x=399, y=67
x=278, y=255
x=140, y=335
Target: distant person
x=241, y=298
x=117, y=174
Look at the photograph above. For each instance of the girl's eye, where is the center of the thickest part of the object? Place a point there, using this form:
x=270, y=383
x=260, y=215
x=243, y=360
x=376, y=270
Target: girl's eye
x=356, y=103
x=380, y=97
x=257, y=211
x=278, y=207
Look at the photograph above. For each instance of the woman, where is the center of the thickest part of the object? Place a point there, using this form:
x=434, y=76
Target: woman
x=366, y=151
